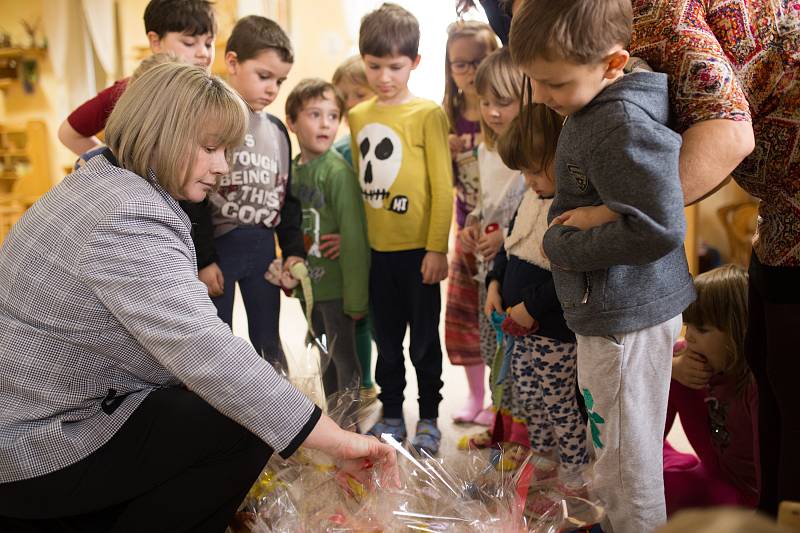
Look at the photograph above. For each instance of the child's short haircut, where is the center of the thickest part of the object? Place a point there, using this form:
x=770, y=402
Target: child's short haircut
x=497, y=76
x=308, y=89
x=580, y=31
x=192, y=17
x=150, y=62
x=389, y=30
x=352, y=70
x=529, y=143
x=254, y=34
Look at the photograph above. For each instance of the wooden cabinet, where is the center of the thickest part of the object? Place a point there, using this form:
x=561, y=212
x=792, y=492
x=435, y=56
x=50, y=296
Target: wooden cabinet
x=24, y=163
x=24, y=170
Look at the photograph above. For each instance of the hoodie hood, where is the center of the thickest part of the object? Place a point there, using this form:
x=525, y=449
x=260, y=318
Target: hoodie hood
x=646, y=90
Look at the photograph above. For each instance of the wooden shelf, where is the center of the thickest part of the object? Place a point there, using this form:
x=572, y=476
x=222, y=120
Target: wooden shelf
x=19, y=53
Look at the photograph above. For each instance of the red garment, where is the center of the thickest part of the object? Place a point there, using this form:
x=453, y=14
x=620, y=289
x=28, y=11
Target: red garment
x=461, y=332
x=90, y=117
x=737, y=60
x=720, y=424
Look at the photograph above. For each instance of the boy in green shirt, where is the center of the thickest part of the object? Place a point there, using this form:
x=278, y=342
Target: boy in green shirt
x=331, y=201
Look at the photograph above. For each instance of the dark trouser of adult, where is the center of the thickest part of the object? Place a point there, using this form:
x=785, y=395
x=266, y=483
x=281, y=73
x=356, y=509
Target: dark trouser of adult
x=244, y=256
x=773, y=353
x=399, y=299
x=176, y=465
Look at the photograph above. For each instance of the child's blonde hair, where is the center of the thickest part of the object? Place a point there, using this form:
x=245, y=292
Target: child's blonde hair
x=531, y=147
x=453, y=102
x=722, y=304
x=499, y=77
x=352, y=70
x=161, y=120
x=150, y=62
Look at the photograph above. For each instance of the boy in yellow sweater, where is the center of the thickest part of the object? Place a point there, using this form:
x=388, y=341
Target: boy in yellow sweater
x=401, y=155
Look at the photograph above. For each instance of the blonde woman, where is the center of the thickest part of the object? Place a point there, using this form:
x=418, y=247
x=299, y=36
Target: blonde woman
x=126, y=404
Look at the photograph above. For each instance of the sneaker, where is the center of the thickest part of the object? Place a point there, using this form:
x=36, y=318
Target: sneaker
x=428, y=437
x=396, y=427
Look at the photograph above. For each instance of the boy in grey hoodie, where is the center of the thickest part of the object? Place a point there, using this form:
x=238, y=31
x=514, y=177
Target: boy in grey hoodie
x=624, y=284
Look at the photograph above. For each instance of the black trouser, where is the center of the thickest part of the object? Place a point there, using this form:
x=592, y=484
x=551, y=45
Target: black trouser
x=176, y=464
x=773, y=353
x=398, y=299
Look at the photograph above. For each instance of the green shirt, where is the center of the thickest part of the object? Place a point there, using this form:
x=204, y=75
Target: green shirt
x=331, y=200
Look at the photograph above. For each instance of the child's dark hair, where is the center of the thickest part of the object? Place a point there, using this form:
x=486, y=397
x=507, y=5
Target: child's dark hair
x=309, y=89
x=529, y=144
x=453, y=102
x=580, y=31
x=722, y=304
x=389, y=30
x=254, y=34
x=192, y=17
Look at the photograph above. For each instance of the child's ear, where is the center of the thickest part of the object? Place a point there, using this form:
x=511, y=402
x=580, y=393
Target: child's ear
x=290, y=124
x=616, y=63
x=231, y=62
x=154, y=41
x=415, y=63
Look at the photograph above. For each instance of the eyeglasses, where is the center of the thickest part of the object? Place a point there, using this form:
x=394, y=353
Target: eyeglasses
x=462, y=67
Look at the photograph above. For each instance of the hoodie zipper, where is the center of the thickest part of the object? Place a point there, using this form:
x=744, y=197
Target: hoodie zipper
x=585, y=299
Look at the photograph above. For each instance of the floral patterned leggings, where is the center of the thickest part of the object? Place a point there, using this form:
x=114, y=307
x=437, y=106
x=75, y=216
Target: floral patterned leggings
x=543, y=393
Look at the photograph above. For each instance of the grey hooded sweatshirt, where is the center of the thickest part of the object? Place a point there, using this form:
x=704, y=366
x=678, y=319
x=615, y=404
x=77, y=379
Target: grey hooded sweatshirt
x=630, y=274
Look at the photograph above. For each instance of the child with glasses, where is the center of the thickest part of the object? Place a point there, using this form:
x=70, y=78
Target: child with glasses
x=468, y=42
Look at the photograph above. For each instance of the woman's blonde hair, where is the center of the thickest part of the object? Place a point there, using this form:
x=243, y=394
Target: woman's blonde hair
x=453, y=102
x=722, y=304
x=352, y=70
x=499, y=77
x=171, y=110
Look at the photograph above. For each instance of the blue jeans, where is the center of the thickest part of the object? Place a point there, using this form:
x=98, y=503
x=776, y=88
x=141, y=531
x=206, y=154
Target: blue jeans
x=244, y=256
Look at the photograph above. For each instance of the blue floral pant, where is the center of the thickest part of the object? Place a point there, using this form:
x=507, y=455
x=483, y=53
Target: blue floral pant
x=543, y=393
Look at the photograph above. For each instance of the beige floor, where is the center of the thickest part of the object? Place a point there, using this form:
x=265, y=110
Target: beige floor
x=293, y=328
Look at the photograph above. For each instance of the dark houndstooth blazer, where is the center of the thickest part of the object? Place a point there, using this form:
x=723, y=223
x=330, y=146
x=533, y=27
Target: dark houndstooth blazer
x=99, y=305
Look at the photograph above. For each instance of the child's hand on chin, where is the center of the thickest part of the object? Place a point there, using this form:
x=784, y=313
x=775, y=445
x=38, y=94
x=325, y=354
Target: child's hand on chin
x=691, y=370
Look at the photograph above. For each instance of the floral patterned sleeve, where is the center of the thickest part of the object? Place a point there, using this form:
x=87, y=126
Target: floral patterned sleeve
x=676, y=37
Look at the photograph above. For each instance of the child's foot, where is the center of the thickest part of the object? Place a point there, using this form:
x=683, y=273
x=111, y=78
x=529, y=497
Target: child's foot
x=428, y=436
x=469, y=412
x=484, y=418
x=396, y=427
x=478, y=441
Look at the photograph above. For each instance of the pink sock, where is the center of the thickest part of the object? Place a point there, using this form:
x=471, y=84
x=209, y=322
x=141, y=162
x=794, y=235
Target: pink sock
x=474, y=404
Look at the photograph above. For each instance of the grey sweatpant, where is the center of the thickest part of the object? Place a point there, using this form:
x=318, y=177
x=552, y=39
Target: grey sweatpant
x=625, y=382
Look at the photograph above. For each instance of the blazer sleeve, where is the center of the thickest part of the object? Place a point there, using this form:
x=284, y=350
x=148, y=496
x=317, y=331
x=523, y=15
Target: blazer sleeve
x=138, y=265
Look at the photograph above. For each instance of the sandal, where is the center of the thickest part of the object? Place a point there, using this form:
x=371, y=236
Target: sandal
x=428, y=436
